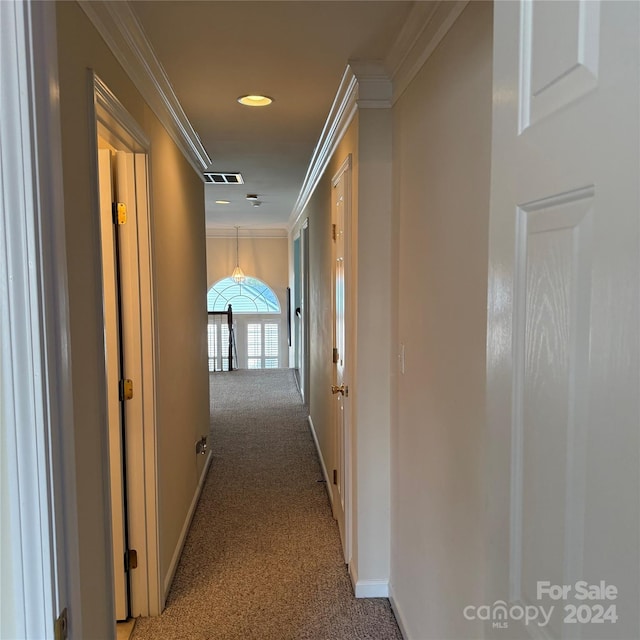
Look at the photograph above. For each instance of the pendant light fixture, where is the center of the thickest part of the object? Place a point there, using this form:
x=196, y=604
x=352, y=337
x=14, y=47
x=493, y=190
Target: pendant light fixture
x=238, y=275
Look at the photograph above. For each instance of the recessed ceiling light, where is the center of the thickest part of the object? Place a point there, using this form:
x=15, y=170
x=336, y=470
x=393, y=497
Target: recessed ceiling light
x=255, y=100
x=223, y=201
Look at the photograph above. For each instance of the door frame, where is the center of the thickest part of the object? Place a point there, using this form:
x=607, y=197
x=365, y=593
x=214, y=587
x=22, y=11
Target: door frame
x=114, y=123
x=43, y=575
x=296, y=304
x=349, y=323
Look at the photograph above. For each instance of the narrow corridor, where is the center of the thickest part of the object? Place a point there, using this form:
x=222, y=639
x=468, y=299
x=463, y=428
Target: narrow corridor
x=263, y=559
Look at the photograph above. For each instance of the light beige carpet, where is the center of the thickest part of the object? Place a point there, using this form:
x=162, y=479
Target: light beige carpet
x=263, y=559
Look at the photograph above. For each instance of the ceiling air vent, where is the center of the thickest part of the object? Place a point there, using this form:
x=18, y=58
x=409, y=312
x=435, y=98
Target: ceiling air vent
x=215, y=177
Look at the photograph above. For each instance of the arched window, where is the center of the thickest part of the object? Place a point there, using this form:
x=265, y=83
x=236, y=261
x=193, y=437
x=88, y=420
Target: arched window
x=256, y=332
x=250, y=296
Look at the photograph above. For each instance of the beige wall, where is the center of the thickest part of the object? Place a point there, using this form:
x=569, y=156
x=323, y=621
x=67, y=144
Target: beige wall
x=262, y=258
x=180, y=286
x=442, y=140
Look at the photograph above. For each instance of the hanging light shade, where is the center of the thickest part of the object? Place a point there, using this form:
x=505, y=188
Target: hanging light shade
x=238, y=274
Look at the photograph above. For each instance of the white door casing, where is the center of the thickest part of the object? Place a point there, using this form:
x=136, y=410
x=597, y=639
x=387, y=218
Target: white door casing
x=563, y=313
x=39, y=532
x=117, y=127
x=126, y=186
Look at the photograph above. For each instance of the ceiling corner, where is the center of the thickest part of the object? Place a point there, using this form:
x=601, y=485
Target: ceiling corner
x=425, y=27
x=374, y=84
x=119, y=27
x=344, y=107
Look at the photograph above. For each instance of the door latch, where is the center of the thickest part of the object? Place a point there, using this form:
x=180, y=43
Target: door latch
x=343, y=389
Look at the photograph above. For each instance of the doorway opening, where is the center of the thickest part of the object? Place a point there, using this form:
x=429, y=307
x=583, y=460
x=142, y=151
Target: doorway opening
x=127, y=277
x=300, y=315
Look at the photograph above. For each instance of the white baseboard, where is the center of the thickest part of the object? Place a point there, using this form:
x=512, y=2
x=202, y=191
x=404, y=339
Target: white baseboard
x=185, y=529
x=397, y=612
x=372, y=589
x=325, y=475
x=368, y=588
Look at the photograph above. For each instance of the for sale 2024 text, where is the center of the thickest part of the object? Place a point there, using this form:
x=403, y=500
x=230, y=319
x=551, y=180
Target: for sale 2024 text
x=595, y=601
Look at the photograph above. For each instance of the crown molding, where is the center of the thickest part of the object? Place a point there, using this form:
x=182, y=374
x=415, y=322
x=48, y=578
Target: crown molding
x=119, y=27
x=341, y=114
x=374, y=86
x=364, y=85
x=249, y=232
x=378, y=84
x=424, y=29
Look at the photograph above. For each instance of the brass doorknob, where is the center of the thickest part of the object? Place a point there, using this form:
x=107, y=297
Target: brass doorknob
x=344, y=390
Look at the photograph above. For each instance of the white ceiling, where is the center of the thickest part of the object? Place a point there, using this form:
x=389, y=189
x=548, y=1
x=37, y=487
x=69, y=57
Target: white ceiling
x=295, y=51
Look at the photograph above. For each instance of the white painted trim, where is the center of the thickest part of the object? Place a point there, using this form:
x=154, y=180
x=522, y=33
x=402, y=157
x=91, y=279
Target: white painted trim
x=397, y=612
x=340, y=116
x=55, y=304
x=250, y=232
x=149, y=384
x=372, y=589
x=118, y=25
x=325, y=475
x=40, y=564
x=115, y=123
x=407, y=39
x=126, y=130
x=371, y=85
x=374, y=84
x=368, y=588
x=185, y=530
x=364, y=85
x=423, y=31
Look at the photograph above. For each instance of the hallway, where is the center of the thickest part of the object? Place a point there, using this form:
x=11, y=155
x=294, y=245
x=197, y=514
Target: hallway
x=262, y=559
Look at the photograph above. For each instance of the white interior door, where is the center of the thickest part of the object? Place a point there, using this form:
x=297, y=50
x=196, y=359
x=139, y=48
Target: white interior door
x=112, y=363
x=340, y=387
x=563, y=319
x=131, y=263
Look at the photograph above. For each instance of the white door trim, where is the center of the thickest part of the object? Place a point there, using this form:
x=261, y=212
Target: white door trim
x=40, y=567
x=116, y=125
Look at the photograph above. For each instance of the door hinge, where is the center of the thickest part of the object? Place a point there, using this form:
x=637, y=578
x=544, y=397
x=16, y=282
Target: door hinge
x=60, y=626
x=119, y=213
x=336, y=355
x=130, y=559
x=334, y=232
x=335, y=476
x=126, y=389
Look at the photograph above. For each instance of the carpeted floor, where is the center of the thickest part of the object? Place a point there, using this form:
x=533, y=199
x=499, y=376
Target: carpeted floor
x=262, y=560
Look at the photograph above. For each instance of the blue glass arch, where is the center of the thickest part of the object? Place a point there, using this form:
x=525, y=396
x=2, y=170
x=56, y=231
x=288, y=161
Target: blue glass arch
x=250, y=296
